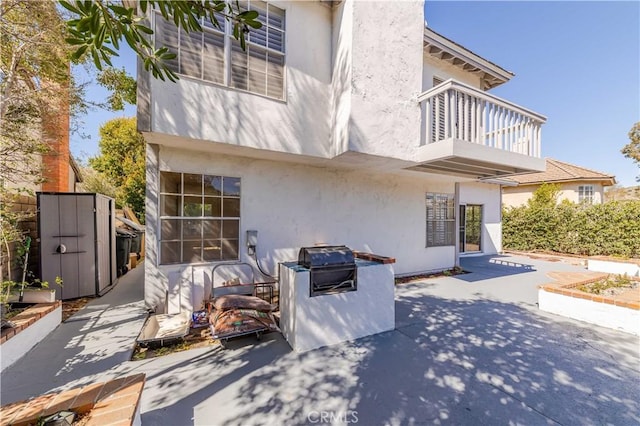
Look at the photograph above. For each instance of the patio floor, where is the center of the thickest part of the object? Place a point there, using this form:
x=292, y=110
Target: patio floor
x=471, y=349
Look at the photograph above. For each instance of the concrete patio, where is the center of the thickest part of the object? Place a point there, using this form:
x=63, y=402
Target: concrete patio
x=467, y=350
x=471, y=349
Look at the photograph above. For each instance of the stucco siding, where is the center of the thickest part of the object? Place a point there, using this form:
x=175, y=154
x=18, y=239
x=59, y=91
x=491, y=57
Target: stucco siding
x=387, y=64
x=295, y=205
x=300, y=124
x=515, y=196
x=444, y=71
x=488, y=196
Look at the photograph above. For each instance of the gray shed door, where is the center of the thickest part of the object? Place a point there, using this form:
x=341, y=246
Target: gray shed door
x=67, y=233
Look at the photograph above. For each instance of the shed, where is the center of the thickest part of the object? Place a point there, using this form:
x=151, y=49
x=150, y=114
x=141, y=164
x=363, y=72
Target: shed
x=77, y=240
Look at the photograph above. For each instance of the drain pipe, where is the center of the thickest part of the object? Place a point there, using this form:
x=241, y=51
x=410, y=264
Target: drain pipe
x=456, y=213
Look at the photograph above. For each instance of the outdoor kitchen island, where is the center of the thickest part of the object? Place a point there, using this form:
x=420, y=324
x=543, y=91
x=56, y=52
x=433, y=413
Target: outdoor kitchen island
x=310, y=318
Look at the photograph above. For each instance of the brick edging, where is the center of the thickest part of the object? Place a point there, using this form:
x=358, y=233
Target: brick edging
x=28, y=317
x=115, y=401
x=628, y=299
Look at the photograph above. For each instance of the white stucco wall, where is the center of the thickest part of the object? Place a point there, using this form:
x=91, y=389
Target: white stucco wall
x=487, y=195
x=387, y=64
x=300, y=124
x=292, y=206
x=514, y=196
x=341, y=49
x=434, y=67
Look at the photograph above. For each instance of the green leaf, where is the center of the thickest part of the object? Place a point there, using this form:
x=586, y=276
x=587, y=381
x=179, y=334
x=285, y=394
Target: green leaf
x=254, y=24
x=95, y=22
x=100, y=37
x=84, y=24
x=248, y=14
x=144, y=29
x=74, y=41
x=119, y=9
x=96, y=58
x=69, y=7
x=78, y=53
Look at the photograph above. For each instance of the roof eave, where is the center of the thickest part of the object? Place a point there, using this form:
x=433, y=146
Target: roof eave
x=76, y=169
x=606, y=181
x=469, y=61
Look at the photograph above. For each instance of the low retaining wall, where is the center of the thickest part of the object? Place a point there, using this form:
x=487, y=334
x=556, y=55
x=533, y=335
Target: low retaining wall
x=620, y=312
x=609, y=265
x=32, y=325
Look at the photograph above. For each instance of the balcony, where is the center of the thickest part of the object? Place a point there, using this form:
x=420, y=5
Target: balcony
x=470, y=133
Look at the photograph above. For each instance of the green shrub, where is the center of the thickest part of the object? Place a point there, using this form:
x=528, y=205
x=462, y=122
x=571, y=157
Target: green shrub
x=611, y=229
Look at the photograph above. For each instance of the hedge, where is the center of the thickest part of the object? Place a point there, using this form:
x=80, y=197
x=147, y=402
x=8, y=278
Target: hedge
x=610, y=229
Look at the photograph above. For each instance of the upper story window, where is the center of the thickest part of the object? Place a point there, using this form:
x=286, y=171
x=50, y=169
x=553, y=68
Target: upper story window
x=215, y=55
x=585, y=194
x=199, y=218
x=441, y=219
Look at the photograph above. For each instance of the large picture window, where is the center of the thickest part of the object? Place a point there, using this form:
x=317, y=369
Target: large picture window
x=215, y=55
x=199, y=218
x=441, y=220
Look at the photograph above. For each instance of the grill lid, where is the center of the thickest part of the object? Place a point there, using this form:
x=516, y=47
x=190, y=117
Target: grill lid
x=318, y=257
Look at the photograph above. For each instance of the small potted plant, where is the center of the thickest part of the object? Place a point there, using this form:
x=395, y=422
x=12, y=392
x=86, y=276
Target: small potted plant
x=35, y=292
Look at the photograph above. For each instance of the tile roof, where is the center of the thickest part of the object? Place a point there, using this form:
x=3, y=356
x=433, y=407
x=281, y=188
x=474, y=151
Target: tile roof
x=558, y=171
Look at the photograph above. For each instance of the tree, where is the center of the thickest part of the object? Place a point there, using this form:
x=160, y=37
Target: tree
x=94, y=181
x=98, y=27
x=121, y=85
x=122, y=161
x=632, y=149
x=36, y=88
x=545, y=197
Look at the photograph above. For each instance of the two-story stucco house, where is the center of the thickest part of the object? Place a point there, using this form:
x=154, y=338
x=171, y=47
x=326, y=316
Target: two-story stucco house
x=344, y=122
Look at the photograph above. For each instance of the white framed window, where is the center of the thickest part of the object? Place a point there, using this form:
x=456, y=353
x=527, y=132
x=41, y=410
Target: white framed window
x=585, y=194
x=199, y=218
x=441, y=219
x=215, y=55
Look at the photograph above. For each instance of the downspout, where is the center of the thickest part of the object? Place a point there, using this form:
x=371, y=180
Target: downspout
x=456, y=232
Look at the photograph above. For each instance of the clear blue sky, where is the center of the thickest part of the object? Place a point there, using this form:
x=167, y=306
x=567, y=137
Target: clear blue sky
x=578, y=63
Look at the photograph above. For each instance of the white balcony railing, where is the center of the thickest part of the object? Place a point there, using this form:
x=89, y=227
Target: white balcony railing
x=456, y=110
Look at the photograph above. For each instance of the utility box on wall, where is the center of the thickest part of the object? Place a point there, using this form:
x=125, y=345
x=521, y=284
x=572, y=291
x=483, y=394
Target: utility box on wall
x=77, y=243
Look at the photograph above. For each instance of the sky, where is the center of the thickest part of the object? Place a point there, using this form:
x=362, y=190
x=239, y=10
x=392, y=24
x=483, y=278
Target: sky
x=576, y=62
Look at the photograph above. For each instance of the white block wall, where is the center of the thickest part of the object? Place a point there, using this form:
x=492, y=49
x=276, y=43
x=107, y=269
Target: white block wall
x=610, y=267
x=602, y=314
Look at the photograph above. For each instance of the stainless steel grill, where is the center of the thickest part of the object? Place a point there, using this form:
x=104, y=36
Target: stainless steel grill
x=332, y=269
